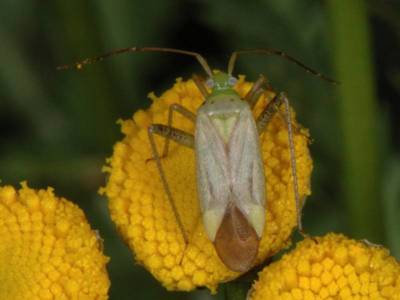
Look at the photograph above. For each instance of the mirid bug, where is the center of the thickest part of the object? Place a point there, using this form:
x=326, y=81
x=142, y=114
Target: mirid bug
x=230, y=174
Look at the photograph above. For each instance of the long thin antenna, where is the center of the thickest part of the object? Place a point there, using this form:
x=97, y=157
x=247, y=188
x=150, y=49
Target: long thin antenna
x=270, y=51
x=87, y=61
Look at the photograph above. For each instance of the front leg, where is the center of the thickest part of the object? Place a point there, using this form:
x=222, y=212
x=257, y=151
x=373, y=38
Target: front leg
x=200, y=85
x=184, y=112
x=256, y=90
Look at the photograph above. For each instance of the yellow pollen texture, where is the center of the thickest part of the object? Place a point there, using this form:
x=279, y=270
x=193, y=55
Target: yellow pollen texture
x=144, y=217
x=47, y=249
x=331, y=267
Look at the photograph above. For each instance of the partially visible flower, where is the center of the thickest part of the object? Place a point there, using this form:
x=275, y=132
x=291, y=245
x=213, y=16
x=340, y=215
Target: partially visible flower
x=331, y=267
x=47, y=249
x=144, y=217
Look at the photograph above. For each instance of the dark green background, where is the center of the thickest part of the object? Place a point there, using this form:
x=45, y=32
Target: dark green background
x=57, y=128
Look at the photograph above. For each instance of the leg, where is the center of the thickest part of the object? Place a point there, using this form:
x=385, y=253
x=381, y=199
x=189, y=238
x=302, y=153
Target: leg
x=255, y=92
x=180, y=137
x=184, y=112
x=200, y=85
x=292, y=151
x=268, y=112
x=262, y=122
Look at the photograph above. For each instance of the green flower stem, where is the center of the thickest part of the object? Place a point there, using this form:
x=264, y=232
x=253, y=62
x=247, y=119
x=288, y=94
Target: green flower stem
x=236, y=290
x=358, y=117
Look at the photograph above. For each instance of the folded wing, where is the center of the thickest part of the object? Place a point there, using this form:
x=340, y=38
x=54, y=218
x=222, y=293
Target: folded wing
x=231, y=187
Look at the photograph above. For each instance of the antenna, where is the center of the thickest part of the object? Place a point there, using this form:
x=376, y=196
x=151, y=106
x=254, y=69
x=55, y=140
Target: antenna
x=270, y=51
x=87, y=61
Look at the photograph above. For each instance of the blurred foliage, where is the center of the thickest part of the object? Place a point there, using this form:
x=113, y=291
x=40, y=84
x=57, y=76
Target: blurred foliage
x=357, y=94
x=57, y=128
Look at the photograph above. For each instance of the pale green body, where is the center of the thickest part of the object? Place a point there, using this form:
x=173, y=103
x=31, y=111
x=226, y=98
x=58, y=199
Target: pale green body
x=229, y=164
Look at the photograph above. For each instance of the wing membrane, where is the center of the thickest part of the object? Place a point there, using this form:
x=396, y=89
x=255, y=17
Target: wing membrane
x=212, y=174
x=247, y=171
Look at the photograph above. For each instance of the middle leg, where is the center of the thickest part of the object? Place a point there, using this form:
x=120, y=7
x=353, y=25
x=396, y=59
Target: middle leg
x=182, y=138
x=262, y=122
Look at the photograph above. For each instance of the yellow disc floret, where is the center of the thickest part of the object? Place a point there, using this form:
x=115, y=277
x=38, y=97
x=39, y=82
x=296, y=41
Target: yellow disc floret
x=144, y=217
x=331, y=267
x=47, y=249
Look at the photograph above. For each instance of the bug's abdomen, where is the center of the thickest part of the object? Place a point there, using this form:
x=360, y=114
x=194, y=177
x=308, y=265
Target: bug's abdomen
x=236, y=241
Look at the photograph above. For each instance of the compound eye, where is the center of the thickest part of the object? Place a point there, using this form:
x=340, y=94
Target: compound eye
x=210, y=83
x=232, y=81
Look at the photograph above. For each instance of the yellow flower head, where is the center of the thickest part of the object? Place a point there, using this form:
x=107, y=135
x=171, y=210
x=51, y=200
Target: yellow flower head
x=144, y=217
x=47, y=249
x=331, y=267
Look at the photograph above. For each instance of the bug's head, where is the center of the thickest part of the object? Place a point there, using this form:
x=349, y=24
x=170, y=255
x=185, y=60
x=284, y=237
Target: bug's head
x=221, y=83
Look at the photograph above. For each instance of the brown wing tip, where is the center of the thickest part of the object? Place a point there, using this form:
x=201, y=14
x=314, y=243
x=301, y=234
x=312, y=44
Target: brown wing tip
x=236, y=241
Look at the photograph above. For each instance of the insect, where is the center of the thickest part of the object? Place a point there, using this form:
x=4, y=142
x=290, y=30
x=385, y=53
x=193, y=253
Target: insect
x=229, y=166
